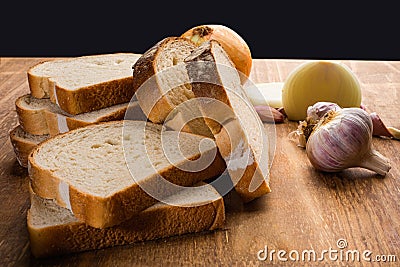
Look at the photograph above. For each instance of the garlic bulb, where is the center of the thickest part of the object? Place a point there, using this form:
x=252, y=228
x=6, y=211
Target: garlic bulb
x=342, y=139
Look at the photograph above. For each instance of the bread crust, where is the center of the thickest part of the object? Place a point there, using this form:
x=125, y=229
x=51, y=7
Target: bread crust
x=215, y=89
x=32, y=121
x=103, y=212
x=44, y=121
x=95, y=97
x=22, y=147
x=39, y=86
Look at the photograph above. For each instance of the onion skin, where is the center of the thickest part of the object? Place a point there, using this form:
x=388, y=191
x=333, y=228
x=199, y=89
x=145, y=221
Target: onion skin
x=234, y=45
x=319, y=81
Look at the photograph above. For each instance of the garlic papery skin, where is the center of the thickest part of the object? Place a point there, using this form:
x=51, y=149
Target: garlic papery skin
x=314, y=114
x=319, y=109
x=341, y=140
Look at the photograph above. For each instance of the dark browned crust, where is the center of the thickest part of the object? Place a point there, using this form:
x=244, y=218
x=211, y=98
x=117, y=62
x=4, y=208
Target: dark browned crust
x=202, y=30
x=203, y=55
x=143, y=70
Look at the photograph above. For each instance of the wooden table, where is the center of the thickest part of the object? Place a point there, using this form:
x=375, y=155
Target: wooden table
x=306, y=211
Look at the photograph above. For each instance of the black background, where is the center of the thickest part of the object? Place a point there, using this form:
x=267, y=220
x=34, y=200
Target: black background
x=298, y=30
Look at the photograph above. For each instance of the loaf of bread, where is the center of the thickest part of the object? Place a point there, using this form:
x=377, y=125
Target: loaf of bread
x=162, y=86
x=237, y=128
x=83, y=84
x=54, y=230
x=41, y=116
x=99, y=171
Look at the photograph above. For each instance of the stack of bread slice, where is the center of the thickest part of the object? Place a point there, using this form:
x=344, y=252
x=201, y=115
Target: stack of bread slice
x=98, y=179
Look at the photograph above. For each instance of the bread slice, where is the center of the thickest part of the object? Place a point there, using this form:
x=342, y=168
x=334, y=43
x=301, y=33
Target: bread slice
x=238, y=130
x=54, y=230
x=105, y=173
x=23, y=143
x=41, y=116
x=86, y=83
x=162, y=84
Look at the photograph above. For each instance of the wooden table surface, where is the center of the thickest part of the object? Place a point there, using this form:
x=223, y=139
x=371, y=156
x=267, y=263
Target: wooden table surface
x=306, y=210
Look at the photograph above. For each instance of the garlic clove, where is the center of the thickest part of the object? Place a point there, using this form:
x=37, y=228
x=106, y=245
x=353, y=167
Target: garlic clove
x=379, y=128
x=269, y=114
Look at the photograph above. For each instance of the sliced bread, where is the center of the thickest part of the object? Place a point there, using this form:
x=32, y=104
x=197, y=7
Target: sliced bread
x=41, y=116
x=23, y=143
x=54, y=230
x=161, y=84
x=103, y=172
x=237, y=129
x=86, y=83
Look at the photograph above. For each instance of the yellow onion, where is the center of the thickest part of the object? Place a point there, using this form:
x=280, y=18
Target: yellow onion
x=319, y=81
x=234, y=45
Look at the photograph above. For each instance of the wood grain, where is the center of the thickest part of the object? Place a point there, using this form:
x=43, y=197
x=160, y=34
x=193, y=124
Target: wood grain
x=306, y=210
